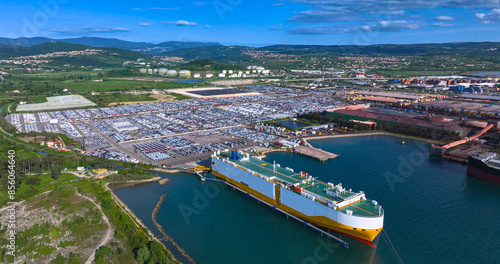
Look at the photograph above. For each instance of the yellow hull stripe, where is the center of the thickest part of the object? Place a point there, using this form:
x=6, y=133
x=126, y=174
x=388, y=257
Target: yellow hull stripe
x=364, y=234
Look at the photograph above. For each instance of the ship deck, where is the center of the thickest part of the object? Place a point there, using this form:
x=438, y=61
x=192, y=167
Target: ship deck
x=360, y=208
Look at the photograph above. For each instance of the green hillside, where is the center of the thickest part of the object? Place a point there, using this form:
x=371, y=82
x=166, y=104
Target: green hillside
x=109, y=56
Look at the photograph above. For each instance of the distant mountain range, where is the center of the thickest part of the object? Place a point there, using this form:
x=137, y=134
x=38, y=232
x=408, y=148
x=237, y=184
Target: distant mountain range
x=241, y=53
x=149, y=48
x=105, y=57
x=116, y=49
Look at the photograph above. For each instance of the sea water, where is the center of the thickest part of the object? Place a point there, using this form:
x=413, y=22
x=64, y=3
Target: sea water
x=434, y=212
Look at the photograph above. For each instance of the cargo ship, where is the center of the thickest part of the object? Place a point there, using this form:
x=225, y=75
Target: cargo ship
x=484, y=165
x=299, y=194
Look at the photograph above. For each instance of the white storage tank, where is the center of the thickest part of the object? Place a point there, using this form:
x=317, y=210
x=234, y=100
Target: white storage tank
x=172, y=73
x=184, y=73
x=162, y=71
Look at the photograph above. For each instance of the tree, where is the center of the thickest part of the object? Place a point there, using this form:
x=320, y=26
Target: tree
x=60, y=259
x=100, y=253
x=56, y=172
x=99, y=260
x=73, y=259
x=157, y=253
x=142, y=255
x=32, y=180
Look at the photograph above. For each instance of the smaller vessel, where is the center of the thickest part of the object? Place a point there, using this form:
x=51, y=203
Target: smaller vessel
x=484, y=165
x=402, y=142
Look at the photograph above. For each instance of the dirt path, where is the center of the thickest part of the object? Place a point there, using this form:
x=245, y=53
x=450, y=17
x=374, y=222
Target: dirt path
x=79, y=175
x=108, y=236
x=5, y=132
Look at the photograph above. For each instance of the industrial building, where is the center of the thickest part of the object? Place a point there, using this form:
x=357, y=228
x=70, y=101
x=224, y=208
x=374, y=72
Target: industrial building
x=480, y=97
x=408, y=97
x=463, y=107
x=382, y=100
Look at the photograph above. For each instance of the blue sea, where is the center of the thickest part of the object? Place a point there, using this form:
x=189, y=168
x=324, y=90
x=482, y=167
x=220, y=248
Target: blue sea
x=434, y=212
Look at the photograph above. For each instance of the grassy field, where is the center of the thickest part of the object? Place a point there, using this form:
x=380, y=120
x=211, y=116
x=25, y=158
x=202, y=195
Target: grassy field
x=116, y=85
x=180, y=97
x=46, y=182
x=105, y=99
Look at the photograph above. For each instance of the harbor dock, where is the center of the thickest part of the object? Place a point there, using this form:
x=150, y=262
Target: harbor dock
x=315, y=153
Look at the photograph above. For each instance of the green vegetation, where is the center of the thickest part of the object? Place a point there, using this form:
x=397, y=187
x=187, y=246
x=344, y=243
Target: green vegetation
x=74, y=221
x=208, y=65
x=106, y=99
x=180, y=97
x=130, y=174
x=227, y=53
x=108, y=56
x=26, y=189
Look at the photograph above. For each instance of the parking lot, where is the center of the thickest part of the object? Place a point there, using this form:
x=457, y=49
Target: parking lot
x=180, y=131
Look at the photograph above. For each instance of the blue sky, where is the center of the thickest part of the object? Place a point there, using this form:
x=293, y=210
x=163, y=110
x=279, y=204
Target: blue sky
x=257, y=22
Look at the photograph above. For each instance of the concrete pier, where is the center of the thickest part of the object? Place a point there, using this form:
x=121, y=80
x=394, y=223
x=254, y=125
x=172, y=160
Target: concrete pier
x=315, y=153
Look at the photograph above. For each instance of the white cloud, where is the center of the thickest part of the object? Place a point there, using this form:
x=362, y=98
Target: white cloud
x=321, y=11
x=382, y=26
x=480, y=15
x=493, y=16
x=443, y=24
x=137, y=9
x=207, y=26
x=396, y=25
x=164, y=8
x=278, y=4
x=146, y=24
x=182, y=23
x=323, y=30
x=89, y=30
x=443, y=18
x=200, y=3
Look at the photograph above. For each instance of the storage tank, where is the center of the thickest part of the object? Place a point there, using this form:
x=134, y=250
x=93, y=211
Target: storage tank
x=150, y=71
x=209, y=75
x=184, y=73
x=172, y=73
x=196, y=75
x=143, y=70
x=230, y=72
x=162, y=71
